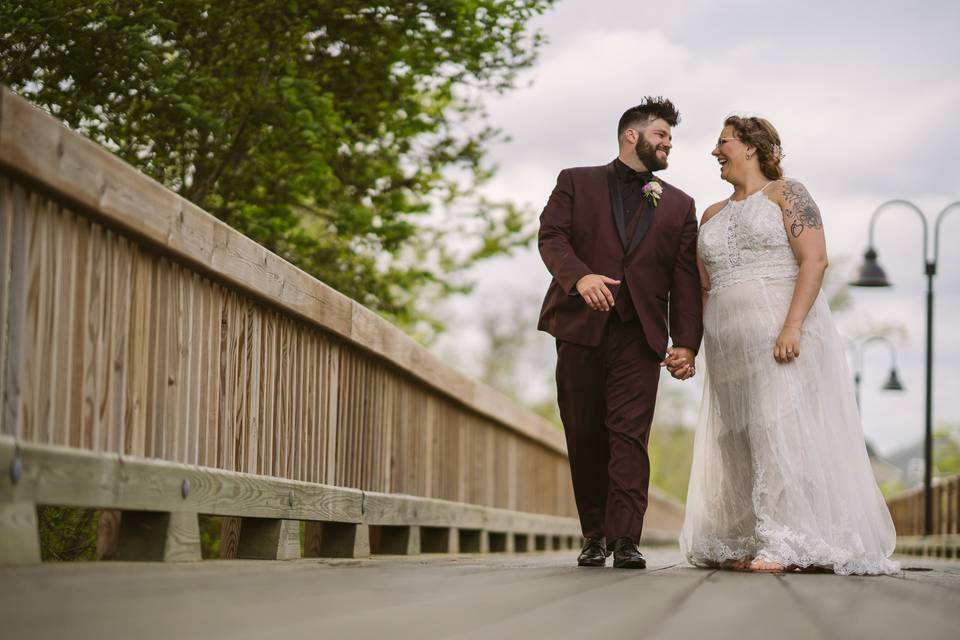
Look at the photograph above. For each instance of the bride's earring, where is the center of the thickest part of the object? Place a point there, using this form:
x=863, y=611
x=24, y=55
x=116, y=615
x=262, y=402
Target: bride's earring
x=749, y=156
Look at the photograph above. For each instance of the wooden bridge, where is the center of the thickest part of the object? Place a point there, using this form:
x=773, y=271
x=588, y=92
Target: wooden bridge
x=160, y=367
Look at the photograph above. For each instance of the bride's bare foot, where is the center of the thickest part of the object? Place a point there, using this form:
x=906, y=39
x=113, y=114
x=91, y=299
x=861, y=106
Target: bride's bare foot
x=742, y=565
x=762, y=566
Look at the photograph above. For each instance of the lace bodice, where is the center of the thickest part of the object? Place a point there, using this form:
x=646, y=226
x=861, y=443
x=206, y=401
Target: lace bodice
x=746, y=241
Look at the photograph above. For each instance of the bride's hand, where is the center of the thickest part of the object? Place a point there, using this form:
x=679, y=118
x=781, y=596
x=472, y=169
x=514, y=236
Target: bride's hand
x=788, y=345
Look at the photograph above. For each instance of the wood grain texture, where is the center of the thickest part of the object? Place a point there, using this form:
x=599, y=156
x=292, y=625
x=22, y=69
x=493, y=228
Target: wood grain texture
x=19, y=535
x=108, y=533
x=230, y=537
x=6, y=271
x=71, y=477
x=16, y=312
x=159, y=536
x=269, y=539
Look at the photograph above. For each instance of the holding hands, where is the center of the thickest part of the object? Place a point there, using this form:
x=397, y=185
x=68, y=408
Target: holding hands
x=593, y=289
x=680, y=362
x=788, y=344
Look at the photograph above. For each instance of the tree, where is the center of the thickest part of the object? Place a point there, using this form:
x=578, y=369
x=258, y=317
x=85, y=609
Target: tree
x=332, y=132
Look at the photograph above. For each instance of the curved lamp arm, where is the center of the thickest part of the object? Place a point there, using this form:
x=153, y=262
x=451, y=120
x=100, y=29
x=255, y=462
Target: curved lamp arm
x=909, y=205
x=862, y=346
x=936, y=228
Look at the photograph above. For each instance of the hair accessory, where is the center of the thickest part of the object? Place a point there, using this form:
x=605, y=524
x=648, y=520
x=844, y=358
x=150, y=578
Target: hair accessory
x=777, y=152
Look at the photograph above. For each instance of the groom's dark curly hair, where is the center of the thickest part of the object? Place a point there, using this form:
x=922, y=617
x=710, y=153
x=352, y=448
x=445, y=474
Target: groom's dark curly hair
x=650, y=109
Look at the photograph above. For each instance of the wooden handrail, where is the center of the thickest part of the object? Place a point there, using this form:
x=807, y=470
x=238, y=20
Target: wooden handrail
x=36, y=146
x=906, y=508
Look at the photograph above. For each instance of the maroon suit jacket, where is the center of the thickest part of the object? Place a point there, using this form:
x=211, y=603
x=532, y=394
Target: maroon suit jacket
x=581, y=232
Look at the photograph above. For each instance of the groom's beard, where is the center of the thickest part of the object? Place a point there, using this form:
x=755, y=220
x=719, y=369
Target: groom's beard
x=647, y=154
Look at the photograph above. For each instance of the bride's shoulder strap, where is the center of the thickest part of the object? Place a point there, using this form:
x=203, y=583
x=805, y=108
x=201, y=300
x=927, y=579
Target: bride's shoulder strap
x=773, y=190
x=774, y=186
x=713, y=210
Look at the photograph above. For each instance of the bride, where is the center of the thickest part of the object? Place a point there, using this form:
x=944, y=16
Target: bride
x=781, y=479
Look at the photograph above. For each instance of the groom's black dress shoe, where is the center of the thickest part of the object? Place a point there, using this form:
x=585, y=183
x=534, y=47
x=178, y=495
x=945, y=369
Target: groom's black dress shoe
x=627, y=556
x=594, y=553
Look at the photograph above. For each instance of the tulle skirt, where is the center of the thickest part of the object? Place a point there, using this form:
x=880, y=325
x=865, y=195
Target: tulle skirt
x=780, y=467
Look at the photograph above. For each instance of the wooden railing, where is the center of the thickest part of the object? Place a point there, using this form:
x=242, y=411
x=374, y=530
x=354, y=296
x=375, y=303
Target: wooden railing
x=139, y=327
x=907, y=511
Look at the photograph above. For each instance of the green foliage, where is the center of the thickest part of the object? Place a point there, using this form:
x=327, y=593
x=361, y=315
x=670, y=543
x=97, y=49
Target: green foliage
x=328, y=131
x=888, y=489
x=67, y=533
x=671, y=458
x=209, y=536
x=946, y=452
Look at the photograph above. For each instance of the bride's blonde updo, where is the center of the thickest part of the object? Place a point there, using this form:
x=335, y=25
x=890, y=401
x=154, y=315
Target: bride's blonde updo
x=759, y=133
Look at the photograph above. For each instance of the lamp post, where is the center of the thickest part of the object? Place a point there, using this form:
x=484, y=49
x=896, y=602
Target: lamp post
x=870, y=274
x=893, y=379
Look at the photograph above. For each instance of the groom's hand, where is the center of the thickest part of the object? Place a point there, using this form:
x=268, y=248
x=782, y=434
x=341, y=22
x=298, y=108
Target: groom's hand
x=680, y=362
x=593, y=289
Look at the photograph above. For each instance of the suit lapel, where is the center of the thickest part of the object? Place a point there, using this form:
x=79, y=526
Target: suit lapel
x=616, y=202
x=645, y=213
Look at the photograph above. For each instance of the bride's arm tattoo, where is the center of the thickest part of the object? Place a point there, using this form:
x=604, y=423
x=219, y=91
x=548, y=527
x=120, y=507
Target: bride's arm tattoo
x=801, y=211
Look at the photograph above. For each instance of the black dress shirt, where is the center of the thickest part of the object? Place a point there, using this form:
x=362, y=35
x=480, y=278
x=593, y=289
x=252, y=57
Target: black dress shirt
x=631, y=182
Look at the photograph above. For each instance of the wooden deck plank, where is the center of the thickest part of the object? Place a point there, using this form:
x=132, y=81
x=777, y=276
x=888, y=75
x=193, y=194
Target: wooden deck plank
x=877, y=607
x=467, y=596
x=742, y=606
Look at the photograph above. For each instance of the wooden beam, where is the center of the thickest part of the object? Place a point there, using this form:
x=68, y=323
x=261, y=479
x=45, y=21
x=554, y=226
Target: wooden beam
x=269, y=539
x=163, y=536
x=108, y=533
x=395, y=540
x=65, y=476
x=160, y=502
x=382, y=508
x=338, y=540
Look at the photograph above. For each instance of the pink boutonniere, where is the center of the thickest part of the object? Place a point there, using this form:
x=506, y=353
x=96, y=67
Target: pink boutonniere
x=652, y=192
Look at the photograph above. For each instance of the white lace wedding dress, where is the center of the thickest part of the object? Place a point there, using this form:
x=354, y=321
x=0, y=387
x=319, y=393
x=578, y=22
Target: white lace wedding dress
x=780, y=468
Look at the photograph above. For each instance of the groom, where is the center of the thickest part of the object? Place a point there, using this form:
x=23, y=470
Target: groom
x=621, y=246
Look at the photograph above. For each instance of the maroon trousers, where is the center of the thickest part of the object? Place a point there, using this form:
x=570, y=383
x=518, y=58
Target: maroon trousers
x=606, y=396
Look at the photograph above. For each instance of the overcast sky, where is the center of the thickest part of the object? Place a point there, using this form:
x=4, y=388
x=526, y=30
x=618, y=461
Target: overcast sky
x=866, y=97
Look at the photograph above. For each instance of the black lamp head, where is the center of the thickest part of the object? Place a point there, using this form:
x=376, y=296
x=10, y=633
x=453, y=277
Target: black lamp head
x=870, y=273
x=893, y=382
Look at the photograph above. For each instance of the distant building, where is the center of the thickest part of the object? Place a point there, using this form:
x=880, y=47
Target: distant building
x=884, y=471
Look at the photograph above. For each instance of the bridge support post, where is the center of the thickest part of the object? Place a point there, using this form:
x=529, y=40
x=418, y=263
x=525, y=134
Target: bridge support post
x=401, y=540
x=472, y=541
x=108, y=533
x=439, y=540
x=337, y=540
x=19, y=533
x=269, y=539
x=499, y=541
x=156, y=535
x=484, y=542
x=521, y=542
